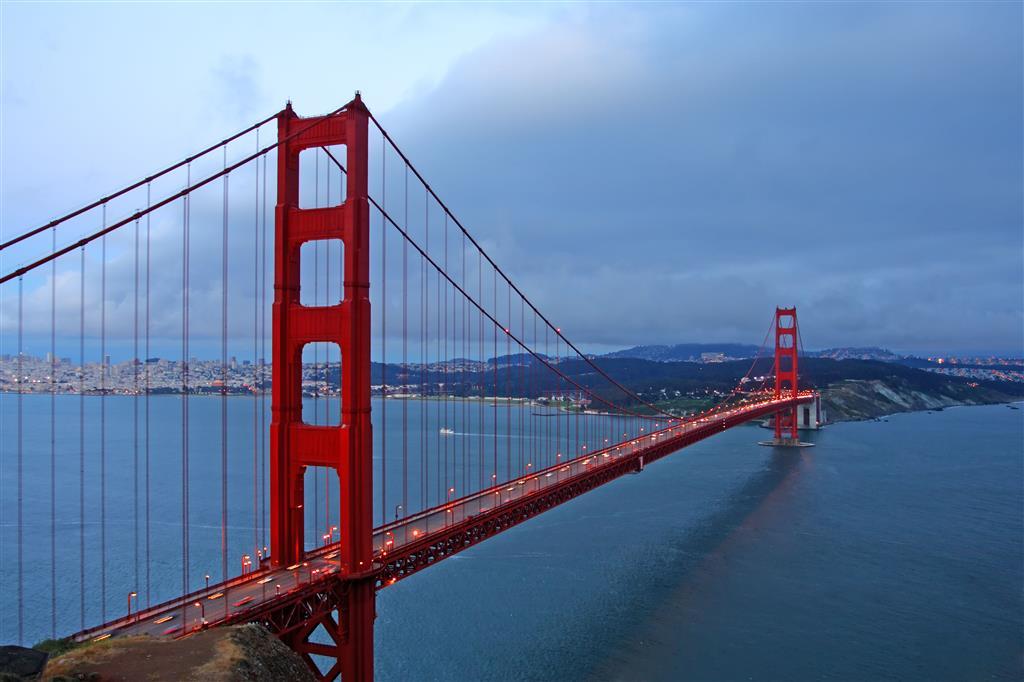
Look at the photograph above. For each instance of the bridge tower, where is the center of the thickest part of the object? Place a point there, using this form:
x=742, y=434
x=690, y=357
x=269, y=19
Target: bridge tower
x=786, y=372
x=345, y=448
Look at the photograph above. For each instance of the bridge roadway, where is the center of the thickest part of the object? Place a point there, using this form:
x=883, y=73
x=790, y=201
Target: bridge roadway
x=405, y=546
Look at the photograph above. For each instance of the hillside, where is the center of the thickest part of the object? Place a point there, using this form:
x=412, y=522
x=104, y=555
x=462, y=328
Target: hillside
x=226, y=654
x=684, y=352
x=852, y=389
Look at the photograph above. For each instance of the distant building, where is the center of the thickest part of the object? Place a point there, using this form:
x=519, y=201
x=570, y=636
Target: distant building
x=810, y=415
x=712, y=357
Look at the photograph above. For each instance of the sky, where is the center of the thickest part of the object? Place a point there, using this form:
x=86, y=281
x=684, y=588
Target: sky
x=646, y=173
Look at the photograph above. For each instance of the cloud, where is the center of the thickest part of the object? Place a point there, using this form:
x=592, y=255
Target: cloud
x=702, y=164
x=673, y=172
x=236, y=88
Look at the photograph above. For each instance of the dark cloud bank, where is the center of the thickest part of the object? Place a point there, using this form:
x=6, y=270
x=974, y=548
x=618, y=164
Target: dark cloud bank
x=673, y=174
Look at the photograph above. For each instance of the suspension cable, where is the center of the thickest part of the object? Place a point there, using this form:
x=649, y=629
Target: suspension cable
x=168, y=200
x=587, y=359
x=145, y=181
x=497, y=272
x=428, y=259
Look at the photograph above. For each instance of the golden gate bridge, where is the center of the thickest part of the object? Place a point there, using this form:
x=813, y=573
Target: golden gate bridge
x=495, y=415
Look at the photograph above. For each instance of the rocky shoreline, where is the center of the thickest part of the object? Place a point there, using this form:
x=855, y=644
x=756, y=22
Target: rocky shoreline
x=861, y=400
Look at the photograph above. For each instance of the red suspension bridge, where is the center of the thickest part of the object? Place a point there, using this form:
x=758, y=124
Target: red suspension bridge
x=397, y=435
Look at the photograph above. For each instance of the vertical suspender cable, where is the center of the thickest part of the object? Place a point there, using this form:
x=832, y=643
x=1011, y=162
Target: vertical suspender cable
x=532, y=453
x=315, y=511
x=442, y=442
x=522, y=380
x=81, y=444
x=441, y=491
x=263, y=369
x=464, y=354
x=576, y=425
x=508, y=388
x=21, y=382
x=405, y=355
x=148, y=242
x=224, y=380
x=383, y=341
x=53, y=438
x=494, y=384
x=482, y=372
x=432, y=428
x=184, y=388
x=445, y=358
x=135, y=407
x=255, y=360
x=104, y=369
x=423, y=371
x=327, y=370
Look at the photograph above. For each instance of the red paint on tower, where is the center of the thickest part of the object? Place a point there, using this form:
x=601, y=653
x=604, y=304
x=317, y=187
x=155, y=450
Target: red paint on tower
x=785, y=369
x=345, y=448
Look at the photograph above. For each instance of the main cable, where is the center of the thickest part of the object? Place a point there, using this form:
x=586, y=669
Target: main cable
x=145, y=181
x=167, y=200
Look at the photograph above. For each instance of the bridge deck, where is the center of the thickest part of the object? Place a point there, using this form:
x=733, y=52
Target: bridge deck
x=403, y=547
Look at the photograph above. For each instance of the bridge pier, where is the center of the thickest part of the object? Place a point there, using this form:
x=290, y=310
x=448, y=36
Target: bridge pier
x=785, y=443
x=356, y=623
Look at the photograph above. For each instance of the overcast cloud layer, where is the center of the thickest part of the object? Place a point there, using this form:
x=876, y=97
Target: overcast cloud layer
x=650, y=174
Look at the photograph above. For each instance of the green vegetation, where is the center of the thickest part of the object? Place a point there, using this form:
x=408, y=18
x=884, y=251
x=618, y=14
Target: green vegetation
x=57, y=647
x=685, y=405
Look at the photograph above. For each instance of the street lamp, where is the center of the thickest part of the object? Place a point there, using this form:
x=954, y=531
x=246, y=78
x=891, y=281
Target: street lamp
x=130, y=595
x=449, y=514
x=398, y=508
x=202, y=613
x=207, y=576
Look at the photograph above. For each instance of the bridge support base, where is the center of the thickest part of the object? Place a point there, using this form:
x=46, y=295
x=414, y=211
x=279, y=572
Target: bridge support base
x=357, y=615
x=785, y=443
x=344, y=609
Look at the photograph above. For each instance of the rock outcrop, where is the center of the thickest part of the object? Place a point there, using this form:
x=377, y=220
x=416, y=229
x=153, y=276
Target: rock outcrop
x=858, y=399
x=228, y=654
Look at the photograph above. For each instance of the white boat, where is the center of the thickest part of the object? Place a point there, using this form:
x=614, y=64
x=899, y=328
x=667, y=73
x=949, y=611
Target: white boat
x=447, y=432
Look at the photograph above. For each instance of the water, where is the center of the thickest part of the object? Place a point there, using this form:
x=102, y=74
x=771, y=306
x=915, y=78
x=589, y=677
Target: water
x=892, y=550
x=108, y=556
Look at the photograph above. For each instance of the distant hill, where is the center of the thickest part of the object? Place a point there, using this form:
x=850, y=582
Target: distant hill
x=853, y=389
x=693, y=352
x=869, y=353
x=685, y=352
